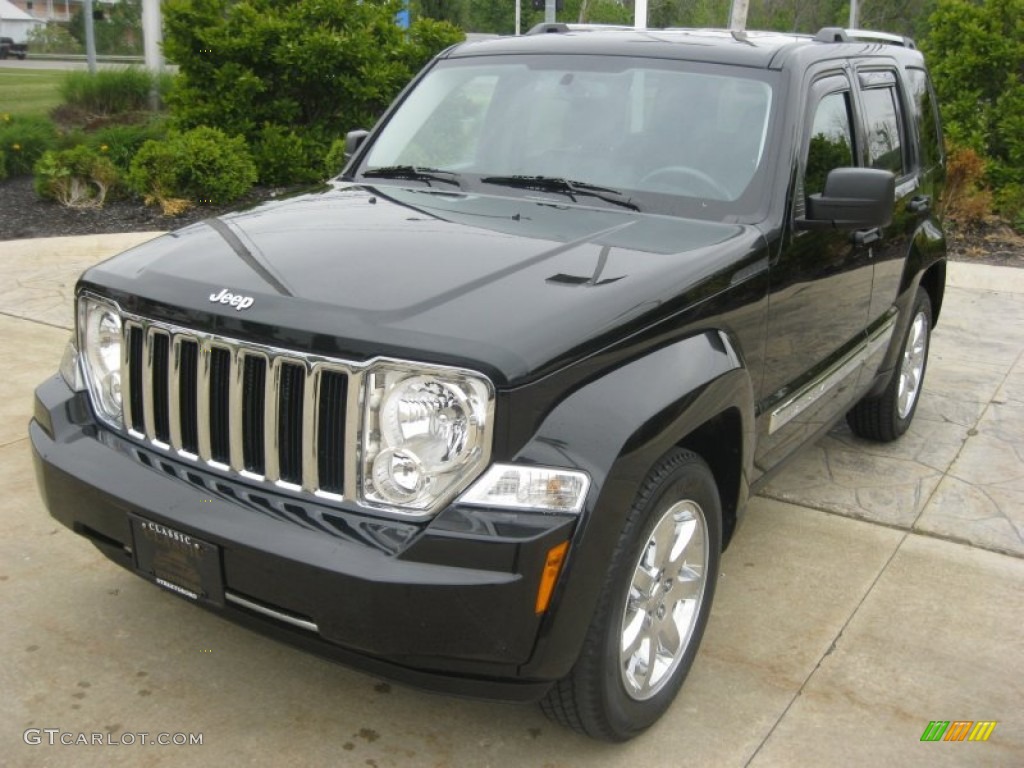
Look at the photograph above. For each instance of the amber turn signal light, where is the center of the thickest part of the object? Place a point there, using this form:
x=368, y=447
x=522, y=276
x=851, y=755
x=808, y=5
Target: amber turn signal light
x=552, y=567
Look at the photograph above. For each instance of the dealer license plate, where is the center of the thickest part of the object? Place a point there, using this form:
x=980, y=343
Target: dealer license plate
x=178, y=561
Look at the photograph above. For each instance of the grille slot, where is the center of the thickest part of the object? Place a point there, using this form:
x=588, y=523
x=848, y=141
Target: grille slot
x=188, y=405
x=331, y=435
x=289, y=422
x=270, y=415
x=134, y=400
x=220, y=407
x=252, y=414
x=160, y=350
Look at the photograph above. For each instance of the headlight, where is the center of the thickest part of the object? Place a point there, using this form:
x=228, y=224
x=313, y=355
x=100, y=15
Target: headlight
x=426, y=435
x=99, y=334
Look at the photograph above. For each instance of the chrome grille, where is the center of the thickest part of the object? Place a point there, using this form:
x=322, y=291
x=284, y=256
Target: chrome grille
x=263, y=413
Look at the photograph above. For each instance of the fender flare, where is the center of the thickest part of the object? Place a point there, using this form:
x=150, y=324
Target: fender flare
x=615, y=428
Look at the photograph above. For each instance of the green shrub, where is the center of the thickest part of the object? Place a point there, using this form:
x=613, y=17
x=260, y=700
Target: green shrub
x=78, y=178
x=112, y=91
x=282, y=157
x=335, y=159
x=1010, y=205
x=976, y=52
x=3, y=165
x=313, y=67
x=24, y=139
x=203, y=165
x=121, y=142
x=426, y=38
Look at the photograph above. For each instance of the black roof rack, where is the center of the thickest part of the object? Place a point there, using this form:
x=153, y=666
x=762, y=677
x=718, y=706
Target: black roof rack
x=560, y=28
x=548, y=28
x=840, y=35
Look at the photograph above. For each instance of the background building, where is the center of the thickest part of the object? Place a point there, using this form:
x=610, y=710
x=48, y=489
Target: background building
x=15, y=22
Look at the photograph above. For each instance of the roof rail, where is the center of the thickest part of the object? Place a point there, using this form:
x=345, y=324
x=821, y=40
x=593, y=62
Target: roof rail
x=840, y=35
x=560, y=28
x=548, y=28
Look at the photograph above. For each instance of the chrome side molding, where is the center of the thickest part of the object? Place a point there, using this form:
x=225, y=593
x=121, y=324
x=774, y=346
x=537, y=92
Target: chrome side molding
x=831, y=377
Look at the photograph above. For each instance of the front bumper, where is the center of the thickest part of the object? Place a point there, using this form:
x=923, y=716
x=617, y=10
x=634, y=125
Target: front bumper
x=446, y=605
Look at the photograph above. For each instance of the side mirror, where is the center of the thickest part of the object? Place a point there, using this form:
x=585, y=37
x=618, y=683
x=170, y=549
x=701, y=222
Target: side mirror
x=853, y=198
x=354, y=140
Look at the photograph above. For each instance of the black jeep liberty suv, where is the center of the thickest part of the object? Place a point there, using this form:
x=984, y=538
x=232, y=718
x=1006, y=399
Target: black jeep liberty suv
x=481, y=413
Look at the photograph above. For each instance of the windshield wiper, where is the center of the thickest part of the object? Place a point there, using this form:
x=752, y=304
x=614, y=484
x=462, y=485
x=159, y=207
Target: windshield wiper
x=413, y=173
x=567, y=187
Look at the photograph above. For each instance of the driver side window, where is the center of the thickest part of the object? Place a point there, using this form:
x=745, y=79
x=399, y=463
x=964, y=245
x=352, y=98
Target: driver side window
x=831, y=141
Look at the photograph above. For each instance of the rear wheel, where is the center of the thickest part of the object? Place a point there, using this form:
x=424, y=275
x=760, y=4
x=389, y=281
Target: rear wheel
x=653, y=609
x=886, y=416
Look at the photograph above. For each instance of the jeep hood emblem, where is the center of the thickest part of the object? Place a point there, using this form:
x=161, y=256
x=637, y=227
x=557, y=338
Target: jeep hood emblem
x=236, y=300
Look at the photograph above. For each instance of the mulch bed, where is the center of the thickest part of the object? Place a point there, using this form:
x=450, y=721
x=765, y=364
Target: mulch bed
x=24, y=215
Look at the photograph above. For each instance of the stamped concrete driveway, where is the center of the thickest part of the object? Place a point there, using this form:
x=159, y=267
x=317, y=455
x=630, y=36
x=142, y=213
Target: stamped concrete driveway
x=871, y=590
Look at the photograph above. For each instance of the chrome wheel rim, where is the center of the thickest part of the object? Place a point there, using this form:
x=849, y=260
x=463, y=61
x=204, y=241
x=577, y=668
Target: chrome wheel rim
x=912, y=368
x=663, y=600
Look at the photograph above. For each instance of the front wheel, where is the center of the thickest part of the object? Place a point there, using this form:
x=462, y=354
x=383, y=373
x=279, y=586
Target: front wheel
x=653, y=609
x=886, y=416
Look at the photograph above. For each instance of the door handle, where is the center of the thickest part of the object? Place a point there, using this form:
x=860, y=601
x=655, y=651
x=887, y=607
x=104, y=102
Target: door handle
x=920, y=204
x=867, y=236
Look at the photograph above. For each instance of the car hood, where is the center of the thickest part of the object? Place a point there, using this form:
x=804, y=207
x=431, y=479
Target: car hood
x=513, y=286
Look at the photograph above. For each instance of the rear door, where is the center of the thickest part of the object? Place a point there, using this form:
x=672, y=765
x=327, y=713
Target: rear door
x=888, y=141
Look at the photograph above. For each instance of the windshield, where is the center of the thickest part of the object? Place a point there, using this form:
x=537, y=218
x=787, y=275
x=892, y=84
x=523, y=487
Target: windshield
x=647, y=132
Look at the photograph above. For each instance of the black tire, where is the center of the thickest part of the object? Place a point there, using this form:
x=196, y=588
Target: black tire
x=593, y=699
x=884, y=417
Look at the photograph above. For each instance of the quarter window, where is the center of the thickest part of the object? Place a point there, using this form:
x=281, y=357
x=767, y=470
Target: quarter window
x=927, y=117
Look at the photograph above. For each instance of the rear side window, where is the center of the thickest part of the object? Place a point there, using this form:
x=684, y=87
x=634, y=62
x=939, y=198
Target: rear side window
x=885, y=144
x=927, y=113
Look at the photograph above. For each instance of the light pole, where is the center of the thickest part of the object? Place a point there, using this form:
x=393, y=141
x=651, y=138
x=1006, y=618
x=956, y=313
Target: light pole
x=640, y=14
x=152, y=35
x=152, y=38
x=90, y=36
x=738, y=16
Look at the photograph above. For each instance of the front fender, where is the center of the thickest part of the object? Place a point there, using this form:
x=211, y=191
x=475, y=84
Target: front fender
x=615, y=428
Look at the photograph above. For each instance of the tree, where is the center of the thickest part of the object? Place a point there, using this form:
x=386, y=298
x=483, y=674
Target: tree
x=291, y=76
x=807, y=16
x=119, y=31
x=909, y=17
x=455, y=12
x=497, y=16
x=53, y=37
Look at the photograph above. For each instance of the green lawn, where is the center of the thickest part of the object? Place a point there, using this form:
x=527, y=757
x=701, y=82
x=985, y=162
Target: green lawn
x=29, y=91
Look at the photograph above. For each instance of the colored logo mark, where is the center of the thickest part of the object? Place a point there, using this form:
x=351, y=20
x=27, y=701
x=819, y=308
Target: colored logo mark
x=958, y=730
